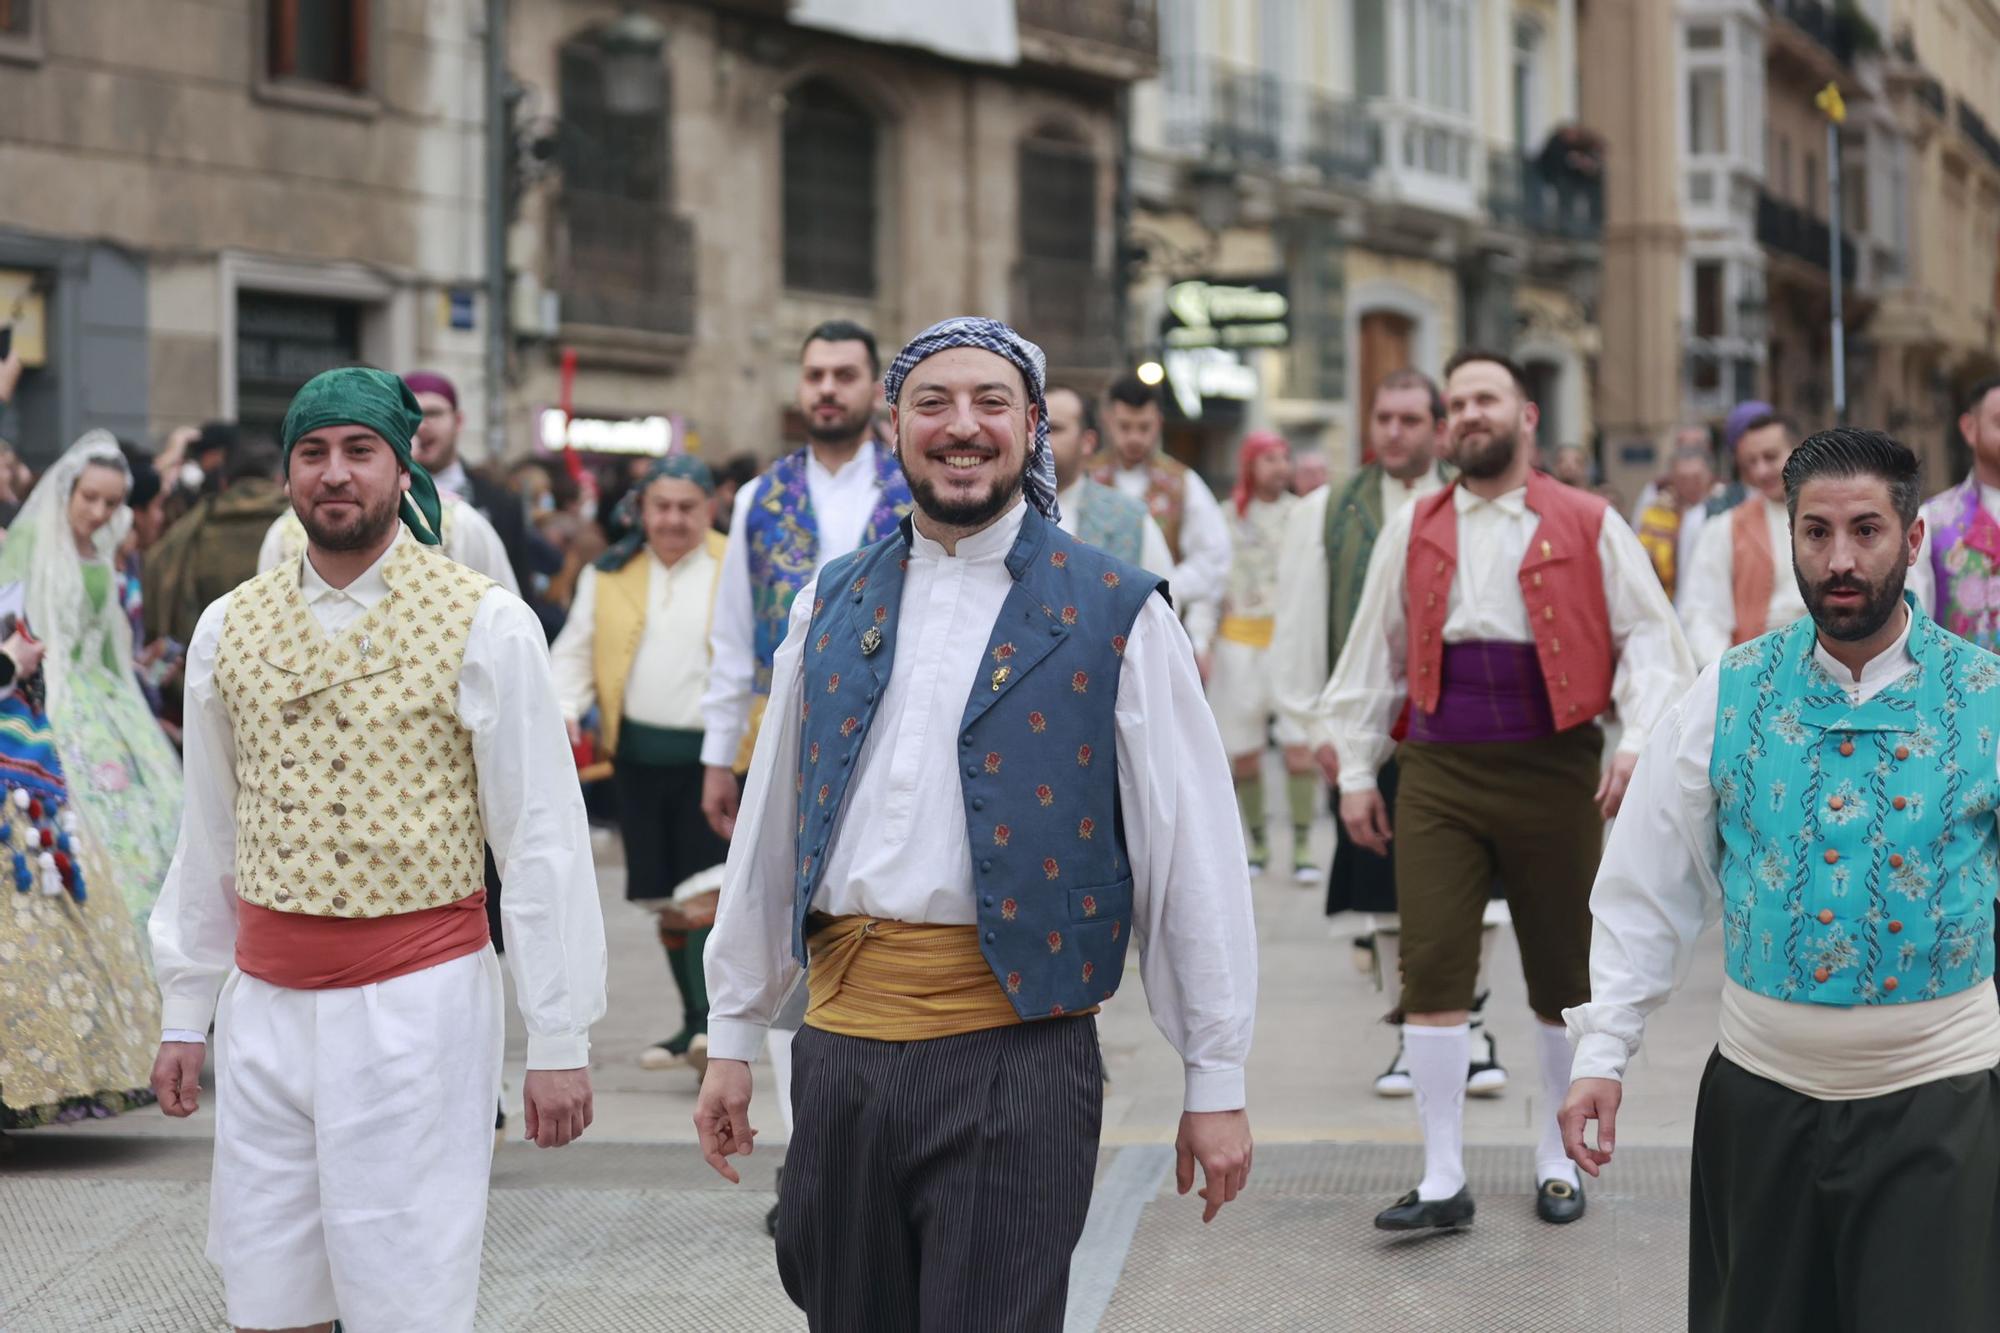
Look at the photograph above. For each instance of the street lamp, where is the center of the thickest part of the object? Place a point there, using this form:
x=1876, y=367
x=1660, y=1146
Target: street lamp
x=635, y=81
x=1216, y=201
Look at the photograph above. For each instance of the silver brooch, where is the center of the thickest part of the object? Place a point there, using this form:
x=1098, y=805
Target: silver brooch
x=871, y=639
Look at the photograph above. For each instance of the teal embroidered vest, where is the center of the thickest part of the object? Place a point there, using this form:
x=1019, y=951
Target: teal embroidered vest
x=1859, y=848
x=1038, y=748
x=782, y=542
x=1112, y=521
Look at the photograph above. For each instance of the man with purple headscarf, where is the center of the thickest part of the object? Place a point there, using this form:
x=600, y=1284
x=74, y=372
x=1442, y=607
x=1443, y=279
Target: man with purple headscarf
x=437, y=450
x=986, y=767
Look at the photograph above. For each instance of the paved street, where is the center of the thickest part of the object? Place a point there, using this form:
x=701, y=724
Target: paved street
x=629, y=1230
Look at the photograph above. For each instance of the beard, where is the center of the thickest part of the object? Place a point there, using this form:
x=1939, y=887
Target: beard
x=842, y=428
x=369, y=525
x=1483, y=462
x=1852, y=624
x=969, y=513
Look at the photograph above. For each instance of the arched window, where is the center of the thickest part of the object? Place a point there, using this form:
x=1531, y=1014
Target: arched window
x=830, y=199
x=1058, y=198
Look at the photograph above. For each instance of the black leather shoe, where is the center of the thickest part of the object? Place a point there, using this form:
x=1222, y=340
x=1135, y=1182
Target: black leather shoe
x=1558, y=1201
x=1410, y=1213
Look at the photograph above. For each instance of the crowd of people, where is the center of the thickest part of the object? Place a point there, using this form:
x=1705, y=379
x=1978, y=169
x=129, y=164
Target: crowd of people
x=293, y=729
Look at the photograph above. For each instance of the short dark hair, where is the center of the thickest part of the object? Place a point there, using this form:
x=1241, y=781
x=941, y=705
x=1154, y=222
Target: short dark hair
x=740, y=468
x=1466, y=356
x=253, y=457
x=1975, y=397
x=1088, y=417
x=1132, y=391
x=1410, y=378
x=1850, y=451
x=845, y=331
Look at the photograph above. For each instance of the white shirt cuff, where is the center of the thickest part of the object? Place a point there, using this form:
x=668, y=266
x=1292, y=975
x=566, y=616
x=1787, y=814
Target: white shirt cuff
x=1212, y=1089
x=718, y=750
x=1599, y=1055
x=180, y=1015
x=185, y=1034
x=1353, y=781
x=735, y=1039
x=567, y=1050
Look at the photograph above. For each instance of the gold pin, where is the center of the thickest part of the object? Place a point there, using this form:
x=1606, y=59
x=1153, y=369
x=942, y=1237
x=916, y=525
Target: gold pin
x=1000, y=678
x=871, y=639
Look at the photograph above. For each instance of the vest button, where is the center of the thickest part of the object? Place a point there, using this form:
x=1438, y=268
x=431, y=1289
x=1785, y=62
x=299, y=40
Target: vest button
x=991, y=937
x=979, y=803
x=339, y=902
x=1834, y=802
x=1831, y=856
x=341, y=858
x=340, y=720
x=1895, y=927
x=1820, y=974
x=1895, y=860
x=1846, y=748
x=340, y=765
x=285, y=760
x=985, y=866
x=966, y=740
x=291, y=717
x=286, y=807
x=972, y=770
x=338, y=808
x=1889, y=983
x=989, y=900
x=1826, y=916
x=1899, y=802
x=1902, y=752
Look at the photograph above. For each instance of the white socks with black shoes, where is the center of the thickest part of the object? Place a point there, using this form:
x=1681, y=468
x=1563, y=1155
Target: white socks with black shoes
x=1551, y=1162
x=1438, y=1058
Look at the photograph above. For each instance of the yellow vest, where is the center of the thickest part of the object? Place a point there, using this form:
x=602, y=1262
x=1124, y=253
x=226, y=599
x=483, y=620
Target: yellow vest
x=356, y=791
x=620, y=626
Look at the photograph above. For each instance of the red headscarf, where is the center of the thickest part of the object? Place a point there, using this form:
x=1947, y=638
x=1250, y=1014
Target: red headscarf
x=1255, y=445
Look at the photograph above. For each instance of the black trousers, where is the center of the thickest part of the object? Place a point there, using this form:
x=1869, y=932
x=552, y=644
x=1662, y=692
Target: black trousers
x=939, y=1186
x=666, y=836
x=1813, y=1216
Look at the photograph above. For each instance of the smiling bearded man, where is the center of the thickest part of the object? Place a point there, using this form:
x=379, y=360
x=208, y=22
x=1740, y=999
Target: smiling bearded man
x=948, y=1086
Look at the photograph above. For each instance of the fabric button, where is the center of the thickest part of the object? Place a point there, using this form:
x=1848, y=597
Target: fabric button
x=1820, y=974
x=990, y=937
x=1895, y=860
x=966, y=740
x=979, y=803
x=1831, y=856
x=972, y=770
x=338, y=808
x=1890, y=983
x=286, y=807
x=291, y=718
x=985, y=866
x=340, y=765
x=989, y=900
x=1834, y=802
x=285, y=760
x=1902, y=752
x=339, y=902
x=341, y=858
x=1847, y=747
x=1899, y=802
x=1826, y=916
x=1895, y=927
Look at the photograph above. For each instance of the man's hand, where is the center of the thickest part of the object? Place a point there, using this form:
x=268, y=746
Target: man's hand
x=1611, y=791
x=1367, y=819
x=558, y=1105
x=718, y=799
x=722, y=1114
x=25, y=652
x=1591, y=1099
x=575, y=730
x=177, y=1077
x=1220, y=1141
x=1328, y=760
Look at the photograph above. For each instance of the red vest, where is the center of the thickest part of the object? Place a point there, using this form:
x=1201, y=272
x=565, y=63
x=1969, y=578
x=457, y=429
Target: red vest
x=1562, y=586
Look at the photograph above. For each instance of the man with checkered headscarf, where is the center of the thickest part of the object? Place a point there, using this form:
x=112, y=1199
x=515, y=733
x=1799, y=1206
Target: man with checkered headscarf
x=986, y=766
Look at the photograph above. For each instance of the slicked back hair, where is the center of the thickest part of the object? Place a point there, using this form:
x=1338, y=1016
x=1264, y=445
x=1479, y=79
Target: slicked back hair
x=1410, y=378
x=1850, y=451
x=1465, y=356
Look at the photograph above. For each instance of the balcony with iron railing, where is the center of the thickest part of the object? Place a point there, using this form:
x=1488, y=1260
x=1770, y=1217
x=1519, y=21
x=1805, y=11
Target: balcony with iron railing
x=1067, y=307
x=1114, y=39
x=626, y=265
x=1522, y=192
x=1791, y=230
x=1840, y=30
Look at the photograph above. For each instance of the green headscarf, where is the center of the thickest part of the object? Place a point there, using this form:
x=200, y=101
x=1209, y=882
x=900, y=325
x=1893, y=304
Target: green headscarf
x=681, y=467
x=381, y=402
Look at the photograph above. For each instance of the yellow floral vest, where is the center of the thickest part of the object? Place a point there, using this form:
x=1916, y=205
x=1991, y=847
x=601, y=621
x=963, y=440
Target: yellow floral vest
x=356, y=793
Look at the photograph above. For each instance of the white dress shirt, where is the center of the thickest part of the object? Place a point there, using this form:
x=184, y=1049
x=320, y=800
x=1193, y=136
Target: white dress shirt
x=670, y=672
x=454, y=481
x=900, y=850
x=841, y=503
x=1709, y=609
x=1298, y=664
x=528, y=797
x=469, y=538
x=1659, y=887
x=1369, y=684
x=1155, y=556
x=1202, y=575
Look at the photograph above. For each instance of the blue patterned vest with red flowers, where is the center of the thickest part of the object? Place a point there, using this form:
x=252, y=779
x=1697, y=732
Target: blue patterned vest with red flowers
x=1859, y=847
x=1038, y=745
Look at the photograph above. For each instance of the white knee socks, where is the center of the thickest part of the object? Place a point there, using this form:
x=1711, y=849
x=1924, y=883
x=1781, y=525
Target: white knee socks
x=1551, y=1162
x=1438, y=1059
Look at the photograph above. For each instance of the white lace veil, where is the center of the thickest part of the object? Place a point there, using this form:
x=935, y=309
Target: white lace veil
x=41, y=550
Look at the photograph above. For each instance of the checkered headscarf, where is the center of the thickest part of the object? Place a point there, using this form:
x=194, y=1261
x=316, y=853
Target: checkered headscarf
x=1039, y=480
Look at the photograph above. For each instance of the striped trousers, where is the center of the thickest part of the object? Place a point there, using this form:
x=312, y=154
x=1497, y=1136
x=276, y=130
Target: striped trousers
x=939, y=1186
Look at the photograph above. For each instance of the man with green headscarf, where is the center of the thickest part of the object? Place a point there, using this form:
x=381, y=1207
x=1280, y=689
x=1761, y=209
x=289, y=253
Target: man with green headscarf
x=360, y=720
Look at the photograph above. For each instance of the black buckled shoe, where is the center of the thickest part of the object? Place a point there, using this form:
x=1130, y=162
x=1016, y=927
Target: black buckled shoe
x=1410, y=1213
x=1558, y=1201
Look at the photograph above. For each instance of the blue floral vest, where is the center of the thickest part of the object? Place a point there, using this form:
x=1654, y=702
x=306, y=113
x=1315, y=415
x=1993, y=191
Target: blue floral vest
x=1859, y=850
x=783, y=543
x=1112, y=521
x=1038, y=744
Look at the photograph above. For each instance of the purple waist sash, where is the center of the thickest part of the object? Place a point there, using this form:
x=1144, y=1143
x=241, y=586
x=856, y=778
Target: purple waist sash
x=1487, y=692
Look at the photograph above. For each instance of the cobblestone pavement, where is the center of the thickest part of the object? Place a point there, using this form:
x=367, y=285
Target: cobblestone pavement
x=628, y=1230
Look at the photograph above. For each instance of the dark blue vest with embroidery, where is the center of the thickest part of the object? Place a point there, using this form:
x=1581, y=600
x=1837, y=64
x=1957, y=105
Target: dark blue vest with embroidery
x=1038, y=749
x=1859, y=848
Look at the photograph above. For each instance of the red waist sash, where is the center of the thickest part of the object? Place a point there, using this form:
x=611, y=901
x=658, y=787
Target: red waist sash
x=301, y=952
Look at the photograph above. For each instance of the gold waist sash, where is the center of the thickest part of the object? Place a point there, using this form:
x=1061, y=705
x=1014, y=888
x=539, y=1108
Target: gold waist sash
x=901, y=980
x=1253, y=630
